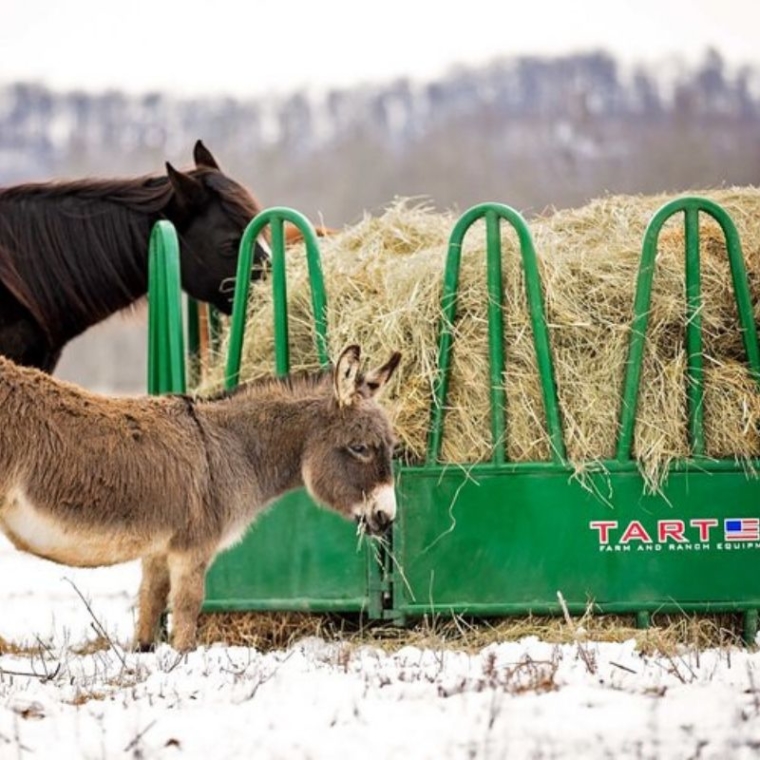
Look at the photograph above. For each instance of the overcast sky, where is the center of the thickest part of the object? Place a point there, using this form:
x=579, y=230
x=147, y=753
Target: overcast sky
x=247, y=47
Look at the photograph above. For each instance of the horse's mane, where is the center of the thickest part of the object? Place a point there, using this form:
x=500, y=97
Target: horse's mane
x=146, y=193
x=238, y=203
x=95, y=236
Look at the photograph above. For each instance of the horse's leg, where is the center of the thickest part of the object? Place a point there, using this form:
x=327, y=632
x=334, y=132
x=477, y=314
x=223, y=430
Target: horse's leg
x=154, y=592
x=187, y=571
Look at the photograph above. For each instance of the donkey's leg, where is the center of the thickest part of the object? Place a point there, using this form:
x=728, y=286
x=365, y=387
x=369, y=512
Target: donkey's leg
x=154, y=592
x=188, y=572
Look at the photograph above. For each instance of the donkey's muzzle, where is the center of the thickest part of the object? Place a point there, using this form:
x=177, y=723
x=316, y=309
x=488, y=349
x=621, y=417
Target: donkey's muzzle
x=376, y=524
x=378, y=511
x=374, y=527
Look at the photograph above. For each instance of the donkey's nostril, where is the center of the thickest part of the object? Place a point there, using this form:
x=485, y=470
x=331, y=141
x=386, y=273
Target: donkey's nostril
x=383, y=519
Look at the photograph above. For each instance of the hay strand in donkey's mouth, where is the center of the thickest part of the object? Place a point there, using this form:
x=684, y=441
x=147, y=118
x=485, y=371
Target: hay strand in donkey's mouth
x=383, y=278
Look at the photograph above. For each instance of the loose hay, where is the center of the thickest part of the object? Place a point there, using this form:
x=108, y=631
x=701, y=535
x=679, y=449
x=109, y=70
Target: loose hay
x=263, y=631
x=383, y=278
x=668, y=634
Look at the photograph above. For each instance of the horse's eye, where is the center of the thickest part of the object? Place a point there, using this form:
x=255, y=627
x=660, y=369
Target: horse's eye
x=230, y=249
x=359, y=450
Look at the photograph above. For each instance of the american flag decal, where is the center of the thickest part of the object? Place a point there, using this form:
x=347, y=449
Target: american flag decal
x=742, y=529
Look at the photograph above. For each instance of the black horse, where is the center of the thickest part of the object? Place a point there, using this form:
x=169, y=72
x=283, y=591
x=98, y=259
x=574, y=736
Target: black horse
x=73, y=253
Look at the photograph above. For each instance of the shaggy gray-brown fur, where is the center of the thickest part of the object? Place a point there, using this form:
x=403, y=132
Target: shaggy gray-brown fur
x=90, y=480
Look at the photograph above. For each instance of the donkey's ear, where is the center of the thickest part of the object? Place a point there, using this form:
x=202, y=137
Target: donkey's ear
x=378, y=378
x=203, y=157
x=189, y=191
x=346, y=374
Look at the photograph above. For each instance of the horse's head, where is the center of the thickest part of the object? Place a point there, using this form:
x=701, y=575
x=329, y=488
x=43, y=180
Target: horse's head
x=347, y=460
x=210, y=212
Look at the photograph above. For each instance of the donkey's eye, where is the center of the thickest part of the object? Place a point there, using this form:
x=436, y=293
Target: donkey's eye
x=359, y=450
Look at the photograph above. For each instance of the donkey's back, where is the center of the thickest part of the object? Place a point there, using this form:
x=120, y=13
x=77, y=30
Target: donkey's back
x=88, y=480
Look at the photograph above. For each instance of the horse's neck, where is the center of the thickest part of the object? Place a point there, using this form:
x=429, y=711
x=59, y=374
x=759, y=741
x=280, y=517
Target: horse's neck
x=73, y=264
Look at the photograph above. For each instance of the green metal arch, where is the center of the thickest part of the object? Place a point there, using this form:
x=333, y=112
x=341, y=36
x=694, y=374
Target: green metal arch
x=166, y=347
x=493, y=213
x=276, y=218
x=691, y=206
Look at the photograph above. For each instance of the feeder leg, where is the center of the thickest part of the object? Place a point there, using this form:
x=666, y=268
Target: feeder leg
x=643, y=619
x=399, y=619
x=750, y=627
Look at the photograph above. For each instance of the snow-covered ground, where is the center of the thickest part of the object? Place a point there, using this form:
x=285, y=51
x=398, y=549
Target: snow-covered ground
x=318, y=699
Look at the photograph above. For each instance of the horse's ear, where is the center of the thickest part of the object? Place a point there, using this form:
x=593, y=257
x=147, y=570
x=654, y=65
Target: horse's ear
x=345, y=375
x=189, y=191
x=377, y=379
x=203, y=157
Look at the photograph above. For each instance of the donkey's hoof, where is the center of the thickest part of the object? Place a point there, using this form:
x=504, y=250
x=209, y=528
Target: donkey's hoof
x=184, y=647
x=144, y=648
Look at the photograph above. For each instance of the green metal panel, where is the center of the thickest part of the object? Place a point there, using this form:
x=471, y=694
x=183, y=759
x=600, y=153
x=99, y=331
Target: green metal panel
x=500, y=540
x=276, y=218
x=691, y=206
x=493, y=213
x=296, y=556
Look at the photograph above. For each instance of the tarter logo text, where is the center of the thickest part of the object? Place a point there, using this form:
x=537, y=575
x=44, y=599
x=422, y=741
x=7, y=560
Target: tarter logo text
x=697, y=534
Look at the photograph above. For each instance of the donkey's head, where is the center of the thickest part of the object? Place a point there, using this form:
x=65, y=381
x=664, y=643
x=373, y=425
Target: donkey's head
x=347, y=461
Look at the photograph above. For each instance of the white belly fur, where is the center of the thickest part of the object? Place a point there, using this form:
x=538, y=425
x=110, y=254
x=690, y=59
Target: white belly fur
x=32, y=530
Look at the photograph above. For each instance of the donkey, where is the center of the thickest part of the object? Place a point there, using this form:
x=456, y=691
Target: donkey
x=88, y=480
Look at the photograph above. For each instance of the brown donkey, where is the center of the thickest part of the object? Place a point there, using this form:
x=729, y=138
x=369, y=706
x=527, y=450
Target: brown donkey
x=88, y=480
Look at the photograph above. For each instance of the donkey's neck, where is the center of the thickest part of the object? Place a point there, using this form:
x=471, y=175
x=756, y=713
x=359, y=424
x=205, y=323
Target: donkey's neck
x=270, y=431
x=95, y=252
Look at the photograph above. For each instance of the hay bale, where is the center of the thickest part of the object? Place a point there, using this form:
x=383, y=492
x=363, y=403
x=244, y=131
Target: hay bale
x=383, y=279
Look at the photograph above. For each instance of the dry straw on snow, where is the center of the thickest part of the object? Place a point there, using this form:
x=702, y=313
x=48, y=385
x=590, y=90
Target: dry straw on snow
x=279, y=630
x=383, y=278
